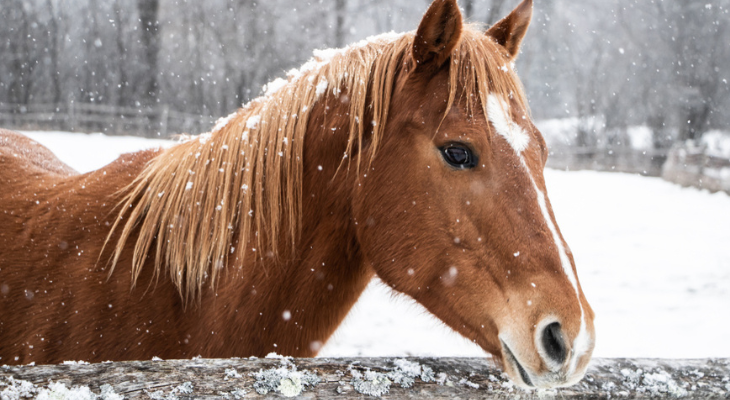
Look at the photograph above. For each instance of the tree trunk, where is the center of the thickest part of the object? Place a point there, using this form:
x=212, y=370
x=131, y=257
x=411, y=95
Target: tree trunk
x=53, y=35
x=468, y=8
x=19, y=54
x=122, y=95
x=90, y=87
x=148, y=10
x=340, y=10
x=326, y=378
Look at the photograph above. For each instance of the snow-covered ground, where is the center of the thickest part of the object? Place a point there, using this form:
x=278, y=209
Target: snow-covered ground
x=653, y=259
x=89, y=152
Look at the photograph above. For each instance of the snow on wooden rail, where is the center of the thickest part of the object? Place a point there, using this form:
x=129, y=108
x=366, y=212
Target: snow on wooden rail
x=329, y=378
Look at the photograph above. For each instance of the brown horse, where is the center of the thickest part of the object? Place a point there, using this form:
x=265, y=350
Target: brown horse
x=408, y=156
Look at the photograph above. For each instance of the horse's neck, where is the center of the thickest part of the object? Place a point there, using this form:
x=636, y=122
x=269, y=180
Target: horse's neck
x=295, y=303
x=291, y=307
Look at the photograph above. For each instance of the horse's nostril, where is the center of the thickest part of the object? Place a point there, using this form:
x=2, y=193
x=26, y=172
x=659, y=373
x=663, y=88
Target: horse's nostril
x=552, y=341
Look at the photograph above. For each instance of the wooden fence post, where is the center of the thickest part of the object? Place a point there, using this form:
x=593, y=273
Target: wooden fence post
x=71, y=115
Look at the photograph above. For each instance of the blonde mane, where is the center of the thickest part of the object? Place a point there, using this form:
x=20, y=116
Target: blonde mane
x=245, y=177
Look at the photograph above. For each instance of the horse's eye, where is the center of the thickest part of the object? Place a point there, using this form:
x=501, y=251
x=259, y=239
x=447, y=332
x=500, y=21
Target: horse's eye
x=459, y=156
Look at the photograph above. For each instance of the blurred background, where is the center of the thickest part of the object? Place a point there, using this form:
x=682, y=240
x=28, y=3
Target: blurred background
x=636, y=86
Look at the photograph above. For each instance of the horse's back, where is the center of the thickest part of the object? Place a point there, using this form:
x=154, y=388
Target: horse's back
x=29, y=172
x=53, y=224
x=20, y=153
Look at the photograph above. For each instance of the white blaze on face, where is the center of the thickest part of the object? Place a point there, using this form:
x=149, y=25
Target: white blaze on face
x=498, y=110
x=505, y=126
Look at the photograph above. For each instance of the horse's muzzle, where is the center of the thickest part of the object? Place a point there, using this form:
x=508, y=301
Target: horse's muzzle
x=557, y=364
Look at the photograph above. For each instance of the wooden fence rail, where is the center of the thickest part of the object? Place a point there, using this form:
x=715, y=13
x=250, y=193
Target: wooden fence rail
x=329, y=378
x=158, y=121
x=620, y=159
x=689, y=166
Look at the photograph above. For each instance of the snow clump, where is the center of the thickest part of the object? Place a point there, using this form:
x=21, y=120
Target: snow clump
x=285, y=380
x=223, y=121
x=75, y=363
x=373, y=383
x=204, y=137
x=16, y=389
x=659, y=383
x=321, y=86
x=406, y=371
x=59, y=391
x=253, y=122
x=322, y=57
x=231, y=373
x=370, y=383
x=234, y=395
x=185, y=388
x=466, y=382
x=274, y=86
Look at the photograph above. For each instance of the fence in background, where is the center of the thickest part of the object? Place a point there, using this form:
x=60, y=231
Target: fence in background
x=644, y=162
x=158, y=121
x=691, y=166
x=684, y=165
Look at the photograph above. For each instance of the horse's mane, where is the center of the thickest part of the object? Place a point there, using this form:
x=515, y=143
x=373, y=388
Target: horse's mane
x=246, y=175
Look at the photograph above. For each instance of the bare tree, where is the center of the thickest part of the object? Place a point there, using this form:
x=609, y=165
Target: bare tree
x=20, y=53
x=54, y=34
x=340, y=10
x=468, y=8
x=661, y=63
x=150, y=37
x=122, y=51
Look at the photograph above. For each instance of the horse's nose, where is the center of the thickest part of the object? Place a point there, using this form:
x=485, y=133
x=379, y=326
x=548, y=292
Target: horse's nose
x=553, y=343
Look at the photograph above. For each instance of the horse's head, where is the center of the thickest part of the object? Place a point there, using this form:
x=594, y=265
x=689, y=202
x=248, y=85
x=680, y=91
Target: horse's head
x=453, y=209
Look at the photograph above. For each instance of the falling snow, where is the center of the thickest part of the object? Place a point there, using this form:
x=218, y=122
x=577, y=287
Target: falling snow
x=645, y=284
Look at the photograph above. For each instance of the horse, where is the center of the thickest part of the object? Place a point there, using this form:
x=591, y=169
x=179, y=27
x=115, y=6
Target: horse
x=411, y=156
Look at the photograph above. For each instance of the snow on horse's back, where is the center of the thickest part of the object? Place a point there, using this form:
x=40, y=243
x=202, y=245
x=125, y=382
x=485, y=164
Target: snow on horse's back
x=412, y=156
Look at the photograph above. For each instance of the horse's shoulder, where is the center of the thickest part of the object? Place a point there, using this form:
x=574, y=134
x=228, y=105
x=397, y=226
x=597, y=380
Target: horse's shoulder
x=20, y=149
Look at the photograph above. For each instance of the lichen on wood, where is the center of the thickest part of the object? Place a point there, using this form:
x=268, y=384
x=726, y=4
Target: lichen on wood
x=329, y=378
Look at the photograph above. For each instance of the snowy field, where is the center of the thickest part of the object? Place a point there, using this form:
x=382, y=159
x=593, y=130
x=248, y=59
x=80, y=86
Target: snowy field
x=653, y=259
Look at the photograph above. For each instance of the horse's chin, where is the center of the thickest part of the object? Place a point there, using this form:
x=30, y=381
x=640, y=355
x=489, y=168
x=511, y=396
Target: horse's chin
x=514, y=369
x=527, y=379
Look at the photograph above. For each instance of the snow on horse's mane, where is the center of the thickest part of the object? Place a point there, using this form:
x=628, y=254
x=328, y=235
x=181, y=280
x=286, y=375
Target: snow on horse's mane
x=320, y=58
x=245, y=175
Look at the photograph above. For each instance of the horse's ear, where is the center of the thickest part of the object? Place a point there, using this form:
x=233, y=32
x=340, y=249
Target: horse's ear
x=510, y=31
x=438, y=33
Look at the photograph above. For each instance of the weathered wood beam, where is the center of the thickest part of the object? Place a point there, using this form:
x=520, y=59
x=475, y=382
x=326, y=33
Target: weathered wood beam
x=328, y=378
